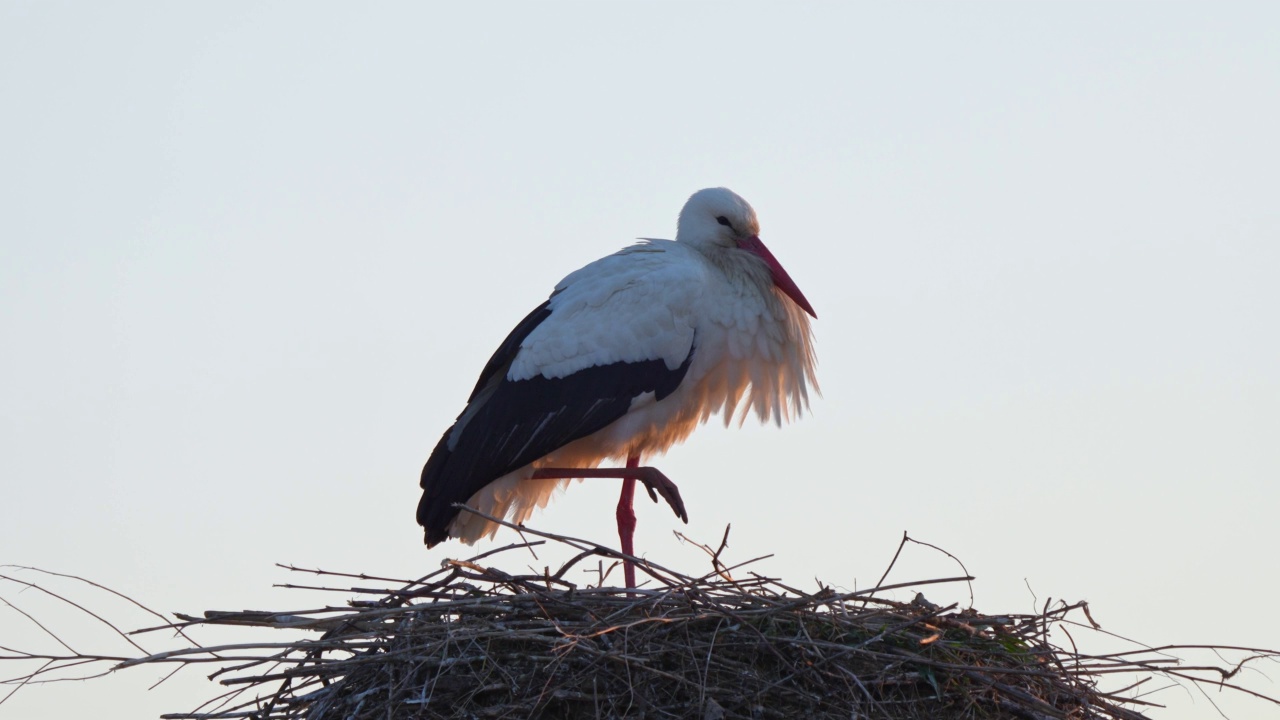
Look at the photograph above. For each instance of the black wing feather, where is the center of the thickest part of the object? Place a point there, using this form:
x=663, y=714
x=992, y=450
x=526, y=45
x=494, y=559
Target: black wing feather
x=513, y=423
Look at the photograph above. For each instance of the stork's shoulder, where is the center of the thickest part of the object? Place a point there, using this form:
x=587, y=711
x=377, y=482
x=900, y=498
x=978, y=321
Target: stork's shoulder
x=637, y=304
x=656, y=263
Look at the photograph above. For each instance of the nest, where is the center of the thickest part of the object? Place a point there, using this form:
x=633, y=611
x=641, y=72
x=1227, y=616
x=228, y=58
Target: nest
x=473, y=641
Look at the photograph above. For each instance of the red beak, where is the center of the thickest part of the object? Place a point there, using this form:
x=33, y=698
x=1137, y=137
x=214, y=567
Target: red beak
x=780, y=276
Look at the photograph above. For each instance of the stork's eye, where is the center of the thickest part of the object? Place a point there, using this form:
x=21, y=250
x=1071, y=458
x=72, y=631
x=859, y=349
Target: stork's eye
x=724, y=221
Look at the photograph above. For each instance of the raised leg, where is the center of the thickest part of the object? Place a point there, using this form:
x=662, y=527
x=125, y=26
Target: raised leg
x=655, y=483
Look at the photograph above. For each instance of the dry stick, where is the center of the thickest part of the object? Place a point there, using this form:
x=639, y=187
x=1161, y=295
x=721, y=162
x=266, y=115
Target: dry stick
x=573, y=561
x=407, y=584
x=171, y=673
x=69, y=663
x=1258, y=653
x=892, y=562
x=79, y=607
x=47, y=631
x=581, y=544
x=717, y=566
x=104, y=588
x=330, y=573
x=1198, y=681
x=24, y=682
x=858, y=681
x=953, y=557
x=182, y=654
x=901, y=544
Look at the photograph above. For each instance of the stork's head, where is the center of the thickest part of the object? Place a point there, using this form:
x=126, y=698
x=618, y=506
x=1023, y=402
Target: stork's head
x=719, y=220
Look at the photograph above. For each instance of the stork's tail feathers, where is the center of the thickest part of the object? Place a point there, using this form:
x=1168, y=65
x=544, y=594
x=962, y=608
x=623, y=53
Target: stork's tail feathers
x=513, y=496
x=435, y=512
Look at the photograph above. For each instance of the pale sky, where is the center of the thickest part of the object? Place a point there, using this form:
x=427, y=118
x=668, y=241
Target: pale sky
x=252, y=259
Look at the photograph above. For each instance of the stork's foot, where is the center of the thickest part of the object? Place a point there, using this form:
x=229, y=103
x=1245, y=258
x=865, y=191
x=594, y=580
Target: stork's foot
x=655, y=483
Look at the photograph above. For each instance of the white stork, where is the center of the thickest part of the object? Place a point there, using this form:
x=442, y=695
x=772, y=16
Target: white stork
x=625, y=359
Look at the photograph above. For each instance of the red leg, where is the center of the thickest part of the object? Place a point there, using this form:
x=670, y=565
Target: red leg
x=655, y=483
x=627, y=521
